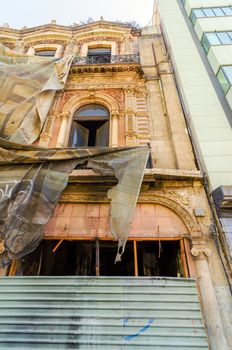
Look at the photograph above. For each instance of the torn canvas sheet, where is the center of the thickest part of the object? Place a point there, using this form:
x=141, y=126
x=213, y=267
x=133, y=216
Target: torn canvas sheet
x=32, y=178
x=28, y=85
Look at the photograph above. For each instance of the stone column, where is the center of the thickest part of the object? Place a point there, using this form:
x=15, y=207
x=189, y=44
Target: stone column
x=212, y=315
x=114, y=129
x=63, y=130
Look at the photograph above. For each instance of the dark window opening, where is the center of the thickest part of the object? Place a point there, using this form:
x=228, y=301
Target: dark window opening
x=86, y=133
x=99, y=55
x=46, y=53
x=90, y=127
x=107, y=254
x=71, y=258
x=87, y=258
x=159, y=259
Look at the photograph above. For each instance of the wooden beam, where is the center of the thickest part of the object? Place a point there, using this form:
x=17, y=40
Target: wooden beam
x=97, y=257
x=91, y=238
x=14, y=267
x=57, y=245
x=135, y=259
x=183, y=259
x=191, y=265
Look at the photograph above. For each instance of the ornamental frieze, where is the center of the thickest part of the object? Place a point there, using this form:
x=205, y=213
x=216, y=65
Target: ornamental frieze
x=45, y=42
x=168, y=200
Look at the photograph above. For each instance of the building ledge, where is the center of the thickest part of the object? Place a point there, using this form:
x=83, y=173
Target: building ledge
x=151, y=175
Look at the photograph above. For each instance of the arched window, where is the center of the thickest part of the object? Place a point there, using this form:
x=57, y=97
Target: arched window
x=90, y=127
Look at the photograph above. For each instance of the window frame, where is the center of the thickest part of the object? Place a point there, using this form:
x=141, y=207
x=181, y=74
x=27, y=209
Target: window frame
x=185, y=254
x=80, y=122
x=224, y=79
x=194, y=14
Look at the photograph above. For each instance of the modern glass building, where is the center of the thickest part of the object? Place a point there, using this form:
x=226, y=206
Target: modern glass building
x=198, y=41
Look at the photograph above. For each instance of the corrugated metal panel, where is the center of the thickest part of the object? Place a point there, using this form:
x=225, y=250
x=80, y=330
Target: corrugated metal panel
x=100, y=313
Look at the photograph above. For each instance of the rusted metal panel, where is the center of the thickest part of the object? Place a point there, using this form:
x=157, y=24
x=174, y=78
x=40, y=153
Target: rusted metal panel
x=100, y=313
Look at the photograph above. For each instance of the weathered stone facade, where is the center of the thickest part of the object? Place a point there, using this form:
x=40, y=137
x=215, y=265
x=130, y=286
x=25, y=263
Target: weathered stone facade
x=144, y=107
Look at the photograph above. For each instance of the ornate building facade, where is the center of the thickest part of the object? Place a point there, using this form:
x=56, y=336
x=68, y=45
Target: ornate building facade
x=121, y=92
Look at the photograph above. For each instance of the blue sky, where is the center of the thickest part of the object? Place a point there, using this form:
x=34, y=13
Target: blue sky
x=19, y=13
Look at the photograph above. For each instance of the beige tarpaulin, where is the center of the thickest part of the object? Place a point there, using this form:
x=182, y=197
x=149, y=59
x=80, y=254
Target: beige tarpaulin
x=27, y=88
x=32, y=178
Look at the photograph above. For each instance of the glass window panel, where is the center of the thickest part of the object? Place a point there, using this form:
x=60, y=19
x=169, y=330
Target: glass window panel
x=193, y=17
x=99, y=51
x=213, y=39
x=228, y=71
x=196, y=14
x=218, y=12
x=209, y=12
x=230, y=35
x=92, y=111
x=205, y=43
x=47, y=53
x=224, y=38
x=227, y=11
x=223, y=81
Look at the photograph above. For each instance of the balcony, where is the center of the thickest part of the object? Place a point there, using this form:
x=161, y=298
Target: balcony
x=107, y=59
x=103, y=63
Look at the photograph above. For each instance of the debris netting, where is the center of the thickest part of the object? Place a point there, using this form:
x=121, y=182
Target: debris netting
x=27, y=90
x=32, y=178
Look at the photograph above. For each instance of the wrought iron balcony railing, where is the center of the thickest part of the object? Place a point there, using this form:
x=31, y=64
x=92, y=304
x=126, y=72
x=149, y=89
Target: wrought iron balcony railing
x=107, y=59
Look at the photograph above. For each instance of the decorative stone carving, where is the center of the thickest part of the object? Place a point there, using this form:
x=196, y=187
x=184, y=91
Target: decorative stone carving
x=45, y=42
x=65, y=115
x=140, y=91
x=78, y=101
x=195, y=251
x=19, y=45
x=130, y=124
x=46, y=134
x=9, y=44
x=70, y=48
x=177, y=196
x=100, y=38
x=159, y=198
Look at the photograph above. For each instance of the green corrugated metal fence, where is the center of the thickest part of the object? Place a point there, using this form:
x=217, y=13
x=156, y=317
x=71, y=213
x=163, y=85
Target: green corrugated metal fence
x=100, y=313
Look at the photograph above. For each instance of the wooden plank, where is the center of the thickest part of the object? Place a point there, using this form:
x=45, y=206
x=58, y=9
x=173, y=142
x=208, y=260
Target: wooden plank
x=135, y=259
x=97, y=258
x=183, y=258
x=191, y=266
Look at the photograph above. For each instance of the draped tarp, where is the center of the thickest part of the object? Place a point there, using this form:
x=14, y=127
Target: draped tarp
x=32, y=178
x=27, y=88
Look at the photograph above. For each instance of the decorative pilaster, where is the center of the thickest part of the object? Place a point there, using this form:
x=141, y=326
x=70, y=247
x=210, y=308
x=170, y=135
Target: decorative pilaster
x=131, y=121
x=46, y=134
x=131, y=128
x=63, y=129
x=71, y=46
x=114, y=129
